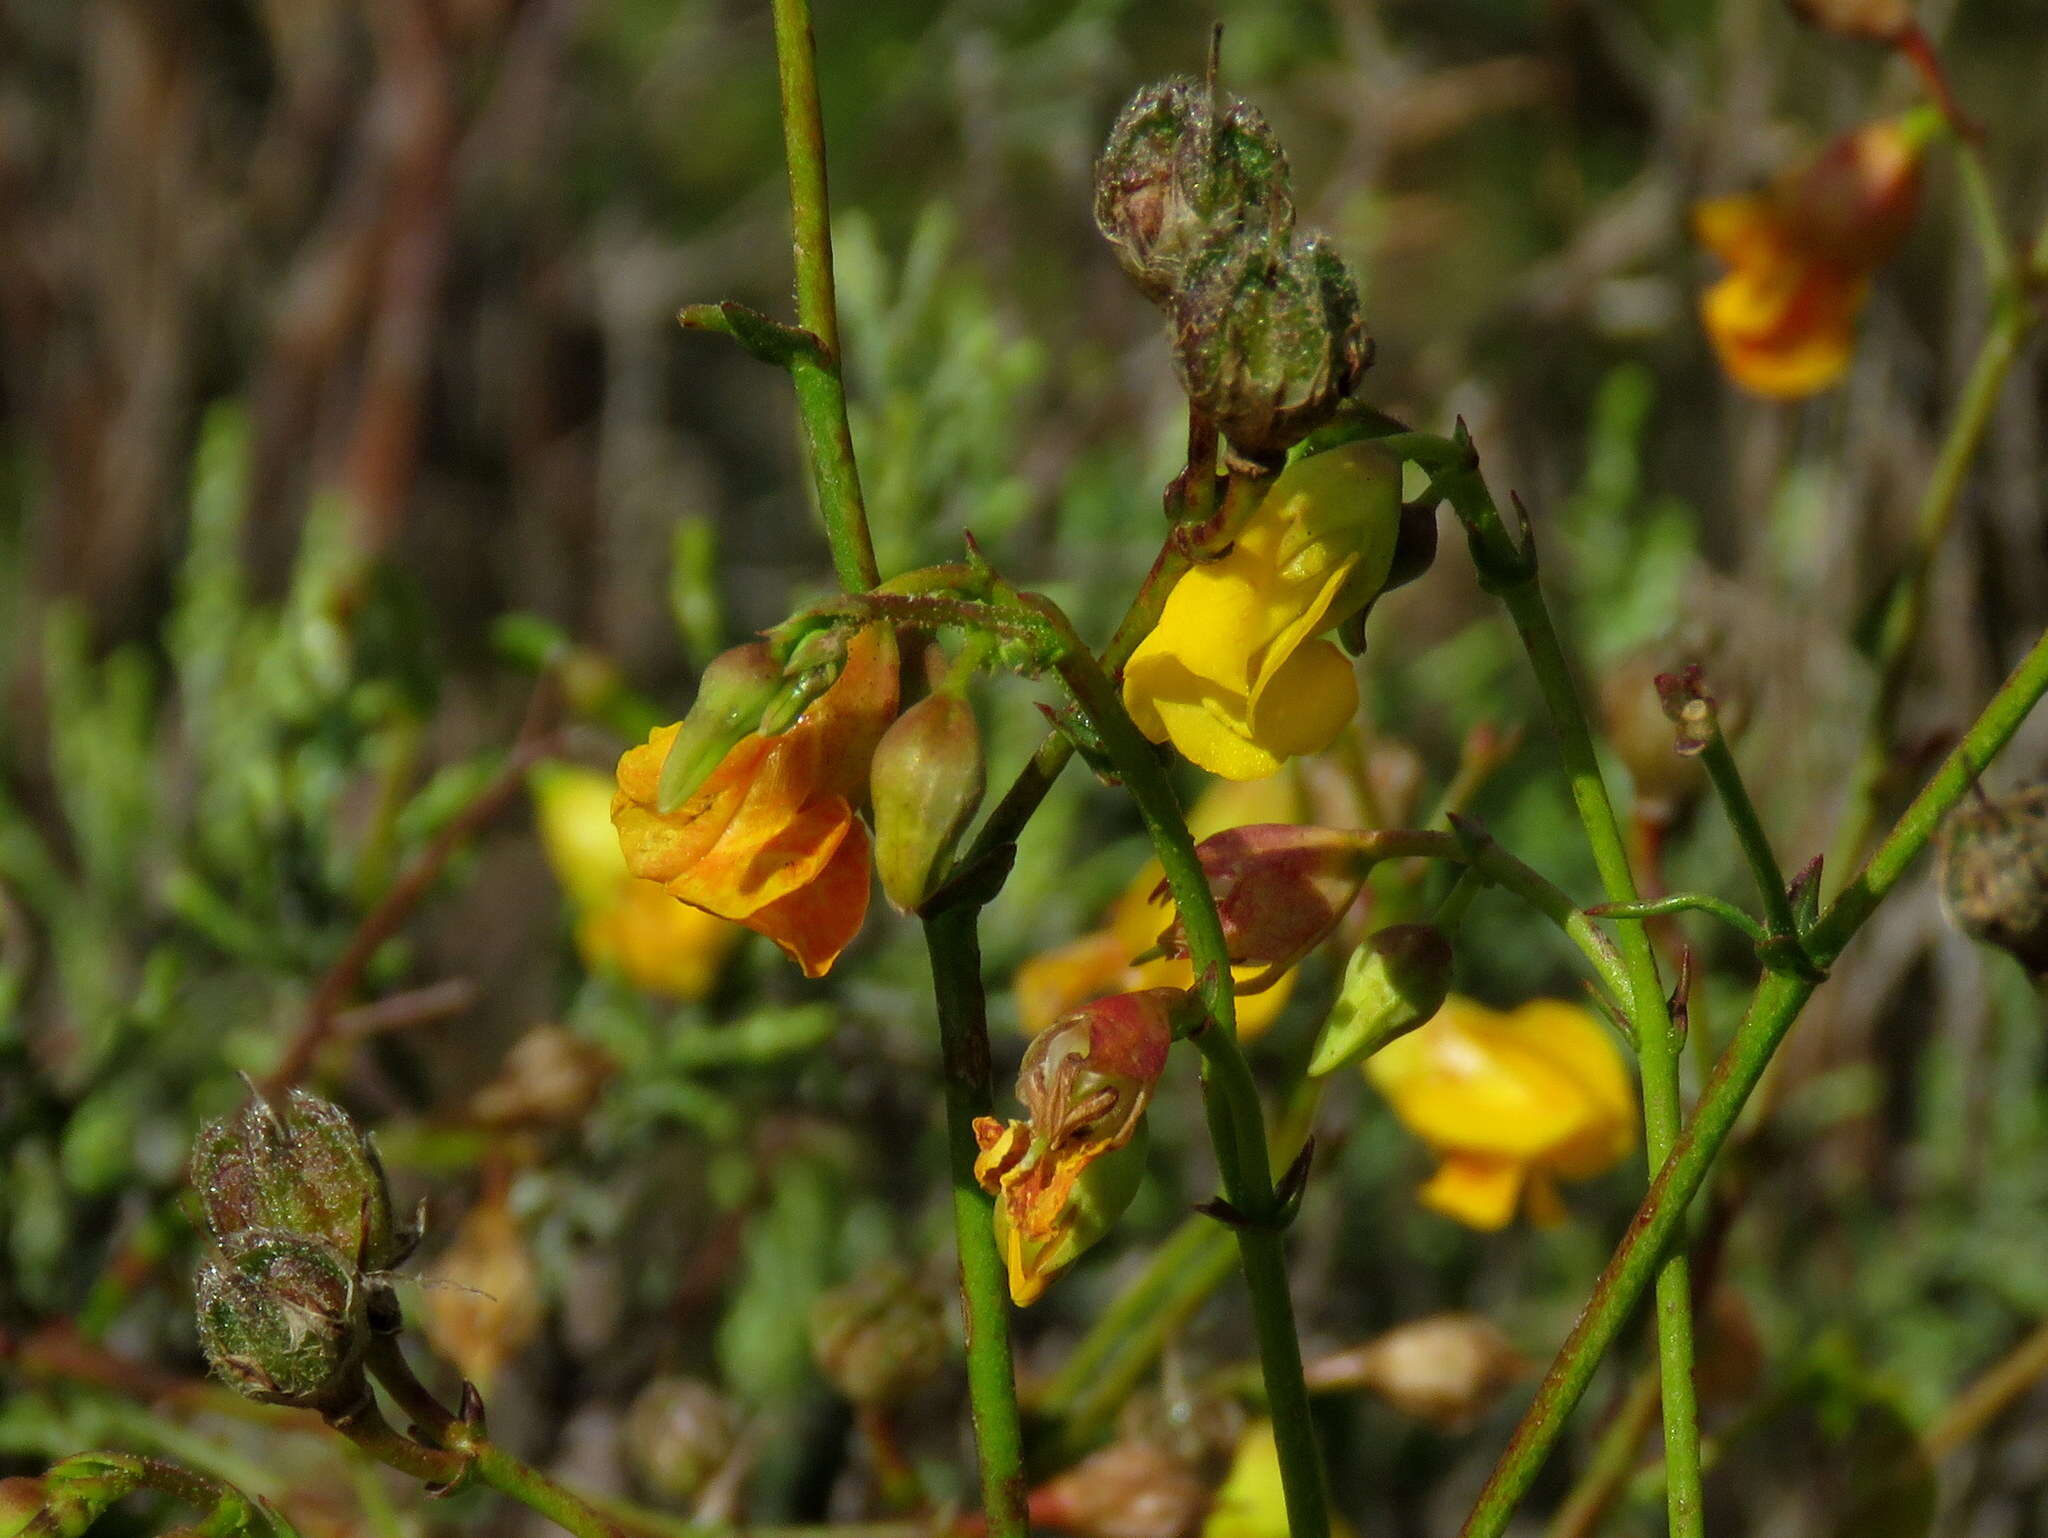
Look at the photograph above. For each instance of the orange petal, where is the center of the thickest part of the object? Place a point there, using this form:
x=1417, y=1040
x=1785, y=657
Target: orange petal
x=818, y=920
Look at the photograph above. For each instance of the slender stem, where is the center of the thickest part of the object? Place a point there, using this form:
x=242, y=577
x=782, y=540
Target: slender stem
x=535, y=1491
x=1686, y=902
x=1779, y=923
x=1906, y=608
x=1989, y=1396
x=1613, y=1461
x=1236, y=1121
x=1778, y=1000
x=820, y=385
x=1656, y=1050
x=954, y=945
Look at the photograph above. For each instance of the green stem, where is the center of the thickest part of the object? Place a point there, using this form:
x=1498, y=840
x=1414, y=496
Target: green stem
x=535, y=1491
x=1778, y=1000
x=1613, y=1461
x=1230, y=1096
x=953, y=942
x=1779, y=924
x=1686, y=902
x=820, y=385
x=1656, y=1050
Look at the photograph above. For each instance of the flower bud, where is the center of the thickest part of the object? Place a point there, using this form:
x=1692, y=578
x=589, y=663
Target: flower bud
x=552, y=1077
x=1268, y=341
x=1398, y=979
x=302, y=1167
x=1446, y=1369
x=1994, y=872
x=1280, y=890
x=880, y=1337
x=926, y=783
x=1855, y=201
x=1129, y=1489
x=282, y=1319
x=679, y=1433
x=737, y=688
x=1181, y=171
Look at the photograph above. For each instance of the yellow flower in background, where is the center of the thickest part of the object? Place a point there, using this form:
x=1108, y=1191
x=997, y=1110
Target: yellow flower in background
x=772, y=839
x=1801, y=255
x=1510, y=1103
x=1253, y=1501
x=1236, y=674
x=623, y=924
x=1068, y=976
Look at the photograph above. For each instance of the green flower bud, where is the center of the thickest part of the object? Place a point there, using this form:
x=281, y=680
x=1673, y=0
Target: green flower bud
x=1994, y=872
x=282, y=1317
x=1396, y=980
x=737, y=687
x=302, y=1167
x=679, y=1433
x=1269, y=341
x=881, y=1337
x=926, y=780
x=1181, y=170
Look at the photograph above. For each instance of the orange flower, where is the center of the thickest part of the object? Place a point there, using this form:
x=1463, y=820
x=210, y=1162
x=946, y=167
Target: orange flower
x=1800, y=257
x=1049, y=985
x=771, y=840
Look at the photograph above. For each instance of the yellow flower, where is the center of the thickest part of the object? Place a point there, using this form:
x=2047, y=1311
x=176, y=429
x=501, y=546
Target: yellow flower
x=1236, y=674
x=1510, y=1103
x=623, y=924
x=1800, y=257
x=771, y=840
x=1253, y=1502
x=1062, y=979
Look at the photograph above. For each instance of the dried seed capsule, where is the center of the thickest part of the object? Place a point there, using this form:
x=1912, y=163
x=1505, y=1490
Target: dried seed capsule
x=282, y=1319
x=301, y=1166
x=1129, y=1489
x=679, y=1433
x=1269, y=340
x=1994, y=872
x=1447, y=1369
x=880, y=1337
x=1182, y=170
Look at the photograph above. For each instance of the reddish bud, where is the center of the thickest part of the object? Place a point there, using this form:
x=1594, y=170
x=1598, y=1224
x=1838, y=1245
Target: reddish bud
x=1855, y=201
x=1280, y=890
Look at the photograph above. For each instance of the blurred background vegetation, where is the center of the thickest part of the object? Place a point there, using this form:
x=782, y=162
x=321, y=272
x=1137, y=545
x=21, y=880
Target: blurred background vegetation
x=341, y=394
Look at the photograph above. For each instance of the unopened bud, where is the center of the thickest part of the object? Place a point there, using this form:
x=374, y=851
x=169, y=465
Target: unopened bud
x=1877, y=21
x=679, y=1433
x=1268, y=342
x=1398, y=979
x=551, y=1078
x=1129, y=1489
x=21, y=1502
x=282, y=1319
x=880, y=1337
x=303, y=1167
x=1446, y=1369
x=737, y=687
x=1856, y=200
x=1181, y=171
x=1994, y=872
x=926, y=781
x=1280, y=890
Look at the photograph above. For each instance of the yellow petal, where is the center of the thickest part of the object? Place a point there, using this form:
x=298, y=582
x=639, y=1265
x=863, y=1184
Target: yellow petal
x=1305, y=705
x=1480, y=1193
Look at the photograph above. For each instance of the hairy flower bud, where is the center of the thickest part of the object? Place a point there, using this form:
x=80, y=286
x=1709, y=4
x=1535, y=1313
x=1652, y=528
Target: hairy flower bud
x=1183, y=170
x=299, y=1167
x=926, y=783
x=1269, y=340
x=1994, y=872
x=737, y=688
x=679, y=1433
x=1398, y=979
x=282, y=1319
x=1446, y=1369
x=1280, y=890
x=880, y=1337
